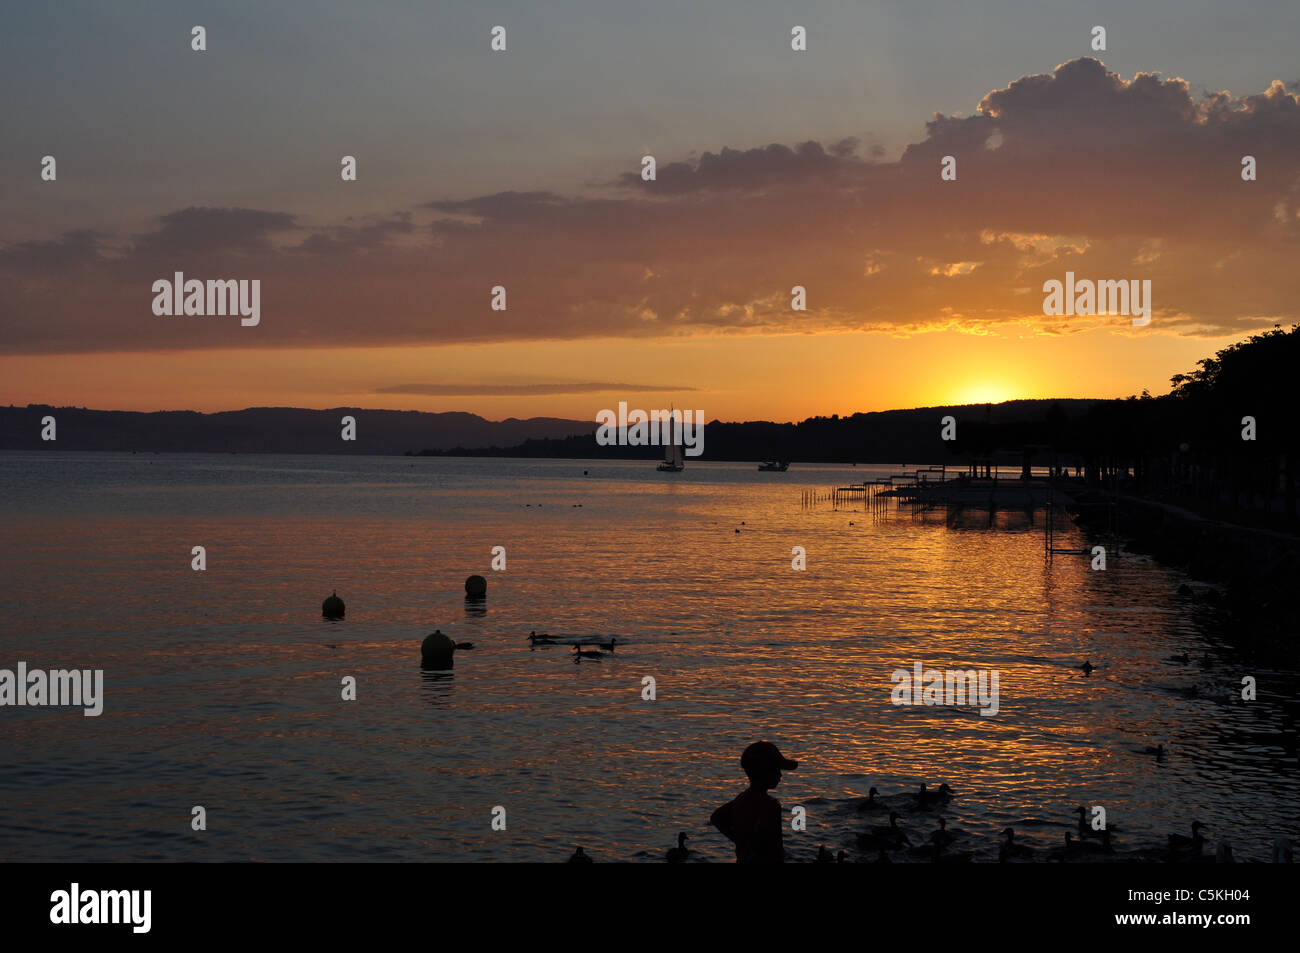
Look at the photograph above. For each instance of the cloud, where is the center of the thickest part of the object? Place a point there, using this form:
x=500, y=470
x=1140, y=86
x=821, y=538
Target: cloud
x=1078, y=169
x=205, y=231
x=68, y=253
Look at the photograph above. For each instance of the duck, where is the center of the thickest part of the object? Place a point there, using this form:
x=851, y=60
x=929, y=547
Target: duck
x=678, y=854
x=1158, y=751
x=892, y=837
x=542, y=639
x=941, y=836
x=582, y=653
x=1087, y=667
x=926, y=798
x=1009, y=849
x=1177, y=842
x=609, y=646
x=579, y=857
x=871, y=804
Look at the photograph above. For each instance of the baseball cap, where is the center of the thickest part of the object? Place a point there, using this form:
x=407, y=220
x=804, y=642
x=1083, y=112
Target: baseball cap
x=765, y=754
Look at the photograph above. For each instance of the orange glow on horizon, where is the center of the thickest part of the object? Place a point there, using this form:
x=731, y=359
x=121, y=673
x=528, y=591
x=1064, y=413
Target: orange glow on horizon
x=728, y=377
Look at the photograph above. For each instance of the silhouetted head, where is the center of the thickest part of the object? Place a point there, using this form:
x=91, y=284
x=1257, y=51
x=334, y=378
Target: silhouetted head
x=681, y=838
x=1009, y=833
x=871, y=795
x=763, y=763
x=944, y=789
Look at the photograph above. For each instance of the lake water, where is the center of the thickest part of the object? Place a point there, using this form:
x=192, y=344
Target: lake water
x=223, y=687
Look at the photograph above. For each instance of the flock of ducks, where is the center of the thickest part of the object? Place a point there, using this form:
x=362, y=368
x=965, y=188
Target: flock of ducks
x=581, y=650
x=1090, y=845
x=1084, y=843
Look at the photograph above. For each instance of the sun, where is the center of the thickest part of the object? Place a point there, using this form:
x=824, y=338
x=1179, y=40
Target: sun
x=983, y=392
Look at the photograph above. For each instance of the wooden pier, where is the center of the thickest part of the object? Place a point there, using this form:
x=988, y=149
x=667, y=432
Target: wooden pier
x=979, y=488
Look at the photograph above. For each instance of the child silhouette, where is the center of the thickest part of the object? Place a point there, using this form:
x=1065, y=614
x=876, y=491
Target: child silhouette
x=753, y=819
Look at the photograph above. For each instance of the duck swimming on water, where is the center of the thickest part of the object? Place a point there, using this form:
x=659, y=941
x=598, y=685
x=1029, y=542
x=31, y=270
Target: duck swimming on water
x=678, y=854
x=926, y=798
x=1010, y=850
x=1177, y=842
x=892, y=837
x=871, y=804
x=579, y=857
x=941, y=837
x=1087, y=667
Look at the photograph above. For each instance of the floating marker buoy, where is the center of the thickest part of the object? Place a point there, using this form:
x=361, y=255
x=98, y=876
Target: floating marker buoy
x=475, y=587
x=436, y=651
x=332, y=607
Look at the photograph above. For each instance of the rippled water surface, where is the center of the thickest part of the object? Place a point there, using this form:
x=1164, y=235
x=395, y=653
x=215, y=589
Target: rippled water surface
x=223, y=687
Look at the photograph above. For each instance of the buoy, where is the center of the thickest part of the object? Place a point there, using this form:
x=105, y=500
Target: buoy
x=475, y=587
x=332, y=607
x=436, y=651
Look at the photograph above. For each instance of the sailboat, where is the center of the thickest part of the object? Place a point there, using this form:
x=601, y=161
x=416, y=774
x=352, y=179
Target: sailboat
x=672, y=462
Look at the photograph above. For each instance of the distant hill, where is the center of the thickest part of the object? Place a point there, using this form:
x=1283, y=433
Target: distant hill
x=271, y=430
x=891, y=436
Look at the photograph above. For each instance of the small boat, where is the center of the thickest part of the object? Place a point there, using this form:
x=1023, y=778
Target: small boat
x=672, y=462
x=775, y=466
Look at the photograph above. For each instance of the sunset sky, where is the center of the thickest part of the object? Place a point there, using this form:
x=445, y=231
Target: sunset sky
x=775, y=168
